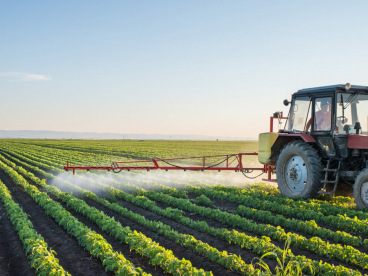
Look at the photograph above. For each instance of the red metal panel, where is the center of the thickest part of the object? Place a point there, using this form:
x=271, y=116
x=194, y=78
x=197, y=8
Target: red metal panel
x=357, y=141
x=279, y=118
x=269, y=169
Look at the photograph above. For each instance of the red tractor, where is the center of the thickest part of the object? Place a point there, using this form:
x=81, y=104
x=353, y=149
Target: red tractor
x=324, y=143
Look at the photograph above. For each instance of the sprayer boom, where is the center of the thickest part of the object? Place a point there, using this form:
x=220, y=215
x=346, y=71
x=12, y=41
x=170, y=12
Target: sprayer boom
x=229, y=162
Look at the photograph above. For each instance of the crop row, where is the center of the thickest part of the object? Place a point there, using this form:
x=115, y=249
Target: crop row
x=335, y=206
x=309, y=227
x=77, y=157
x=353, y=260
x=136, y=241
x=256, y=245
x=41, y=259
x=354, y=225
x=90, y=240
x=264, y=190
x=143, y=149
x=346, y=254
x=260, y=245
x=230, y=261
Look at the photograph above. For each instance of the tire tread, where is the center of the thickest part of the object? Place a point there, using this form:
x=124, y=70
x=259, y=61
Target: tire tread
x=357, y=188
x=314, y=159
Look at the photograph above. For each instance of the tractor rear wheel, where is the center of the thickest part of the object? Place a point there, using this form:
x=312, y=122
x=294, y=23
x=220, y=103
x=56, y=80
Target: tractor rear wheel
x=361, y=189
x=299, y=170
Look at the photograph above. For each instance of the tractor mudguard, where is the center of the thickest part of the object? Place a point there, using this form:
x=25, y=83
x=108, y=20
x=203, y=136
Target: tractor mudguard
x=285, y=138
x=358, y=141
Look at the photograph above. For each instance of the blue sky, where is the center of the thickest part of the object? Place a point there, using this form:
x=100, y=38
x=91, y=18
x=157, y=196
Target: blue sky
x=217, y=68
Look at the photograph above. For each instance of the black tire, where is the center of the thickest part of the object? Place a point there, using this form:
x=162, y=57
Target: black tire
x=361, y=189
x=299, y=170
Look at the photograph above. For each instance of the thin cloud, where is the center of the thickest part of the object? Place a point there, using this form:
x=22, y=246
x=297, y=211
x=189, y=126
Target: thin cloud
x=17, y=76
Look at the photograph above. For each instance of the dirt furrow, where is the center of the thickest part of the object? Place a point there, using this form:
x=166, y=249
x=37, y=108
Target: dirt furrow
x=71, y=255
x=13, y=259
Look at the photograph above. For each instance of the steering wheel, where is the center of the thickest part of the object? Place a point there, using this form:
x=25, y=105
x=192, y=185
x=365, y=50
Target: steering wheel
x=341, y=120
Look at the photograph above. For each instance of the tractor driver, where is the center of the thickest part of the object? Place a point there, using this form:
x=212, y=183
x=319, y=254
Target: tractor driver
x=322, y=117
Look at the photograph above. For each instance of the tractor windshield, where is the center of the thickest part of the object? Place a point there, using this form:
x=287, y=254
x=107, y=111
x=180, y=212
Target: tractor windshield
x=352, y=108
x=299, y=114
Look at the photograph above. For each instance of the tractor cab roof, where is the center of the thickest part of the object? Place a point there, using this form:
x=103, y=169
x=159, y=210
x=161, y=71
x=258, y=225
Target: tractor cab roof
x=331, y=88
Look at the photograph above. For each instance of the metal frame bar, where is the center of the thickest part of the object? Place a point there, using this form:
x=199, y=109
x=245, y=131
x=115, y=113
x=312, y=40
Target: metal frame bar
x=138, y=164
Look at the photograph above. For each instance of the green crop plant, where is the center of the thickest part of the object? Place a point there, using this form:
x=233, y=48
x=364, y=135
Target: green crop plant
x=203, y=200
x=285, y=265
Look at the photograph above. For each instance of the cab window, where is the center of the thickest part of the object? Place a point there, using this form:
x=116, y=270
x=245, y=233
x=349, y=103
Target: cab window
x=299, y=114
x=322, y=115
x=351, y=108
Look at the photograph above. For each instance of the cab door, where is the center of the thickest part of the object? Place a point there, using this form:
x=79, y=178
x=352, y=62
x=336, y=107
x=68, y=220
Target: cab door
x=322, y=124
x=322, y=114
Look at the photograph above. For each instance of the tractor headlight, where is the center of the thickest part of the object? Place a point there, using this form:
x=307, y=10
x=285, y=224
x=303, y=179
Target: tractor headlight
x=347, y=86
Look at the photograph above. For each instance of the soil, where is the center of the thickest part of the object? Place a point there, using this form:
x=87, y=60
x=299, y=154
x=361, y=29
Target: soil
x=71, y=255
x=13, y=260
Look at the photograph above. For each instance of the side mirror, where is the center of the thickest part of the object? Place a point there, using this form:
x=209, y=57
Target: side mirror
x=286, y=102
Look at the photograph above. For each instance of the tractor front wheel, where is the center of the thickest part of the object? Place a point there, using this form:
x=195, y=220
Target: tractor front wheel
x=361, y=189
x=299, y=170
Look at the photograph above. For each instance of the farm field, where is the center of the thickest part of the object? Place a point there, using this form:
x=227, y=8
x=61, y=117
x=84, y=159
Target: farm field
x=162, y=223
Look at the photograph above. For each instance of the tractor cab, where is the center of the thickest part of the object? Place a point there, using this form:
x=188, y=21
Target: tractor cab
x=337, y=109
x=333, y=115
x=324, y=143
